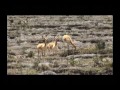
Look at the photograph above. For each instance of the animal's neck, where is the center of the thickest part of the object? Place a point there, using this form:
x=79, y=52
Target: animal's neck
x=45, y=43
x=73, y=44
x=55, y=42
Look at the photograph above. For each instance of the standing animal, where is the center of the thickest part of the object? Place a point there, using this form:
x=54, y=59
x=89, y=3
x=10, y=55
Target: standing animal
x=52, y=45
x=42, y=47
x=68, y=40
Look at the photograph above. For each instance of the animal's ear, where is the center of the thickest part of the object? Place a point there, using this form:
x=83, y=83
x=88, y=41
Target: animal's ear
x=55, y=37
x=46, y=36
x=59, y=37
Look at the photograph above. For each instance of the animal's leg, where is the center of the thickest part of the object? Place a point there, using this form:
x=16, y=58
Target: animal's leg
x=64, y=47
x=41, y=53
x=38, y=54
x=68, y=48
x=73, y=53
x=52, y=51
x=44, y=52
x=48, y=52
x=56, y=50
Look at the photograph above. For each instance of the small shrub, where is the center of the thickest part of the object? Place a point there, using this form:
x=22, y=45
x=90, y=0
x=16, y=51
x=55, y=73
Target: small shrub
x=19, y=41
x=72, y=62
x=106, y=51
x=75, y=34
x=30, y=54
x=87, y=50
x=25, y=48
x=61, y=19
x=11, y=60
x=23, y=52
x=14, y=34
x=108, y=71
x=100, y=45
x=56, y=64
x=31, y=72
x=43, y=67
x=36, y=65
x=97, y=61
x=12, y=53
x=64, y=54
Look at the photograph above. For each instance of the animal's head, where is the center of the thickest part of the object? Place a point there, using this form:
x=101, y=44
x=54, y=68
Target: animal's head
x=44, y=37
x=57, y=38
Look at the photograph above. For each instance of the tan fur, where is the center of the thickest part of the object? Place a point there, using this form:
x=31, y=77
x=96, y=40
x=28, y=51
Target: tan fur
x=68, y=40
x=52, y=45
x=42, y=46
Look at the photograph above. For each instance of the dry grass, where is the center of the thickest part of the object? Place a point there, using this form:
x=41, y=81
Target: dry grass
x=93, y=55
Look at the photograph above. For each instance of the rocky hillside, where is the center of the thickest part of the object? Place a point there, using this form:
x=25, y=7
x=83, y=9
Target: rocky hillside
x=92, y=35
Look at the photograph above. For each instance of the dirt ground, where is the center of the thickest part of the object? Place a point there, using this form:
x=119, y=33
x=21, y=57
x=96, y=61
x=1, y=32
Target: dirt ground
x=91, y=34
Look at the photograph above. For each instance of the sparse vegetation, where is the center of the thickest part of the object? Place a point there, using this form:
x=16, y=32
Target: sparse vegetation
x=100, y=45
x=36, y=65
x=55, y=64
x=31, y=72
x=92, y=38
x=72, y=62
x=43, y=67
x=30, y=54
x=97, y=61
x=19, y=42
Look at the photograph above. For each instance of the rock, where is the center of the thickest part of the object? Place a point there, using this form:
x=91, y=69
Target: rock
x=77, y=59
x=63, y=66
x=107, y=59
x=12, y=64
x=47, y=73
x=45, y=64
x=81, y=56
x=16, y=47
x=26, y=64
x=102, y=25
